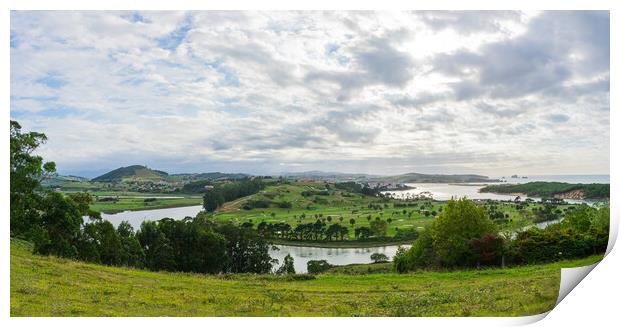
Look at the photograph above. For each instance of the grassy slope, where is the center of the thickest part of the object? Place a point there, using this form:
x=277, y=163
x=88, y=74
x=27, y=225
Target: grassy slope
x=135, y=172
x=48, y=286
x=340, y=204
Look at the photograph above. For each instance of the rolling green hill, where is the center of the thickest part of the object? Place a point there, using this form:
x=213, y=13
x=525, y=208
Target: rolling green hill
x=135, y=172
x=553, y=189
x=49, y=286
x=63, y=178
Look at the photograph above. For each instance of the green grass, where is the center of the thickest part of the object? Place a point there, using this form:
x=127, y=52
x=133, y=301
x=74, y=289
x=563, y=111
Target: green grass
x=362, y=269
x=139, y=204
x=551, y=189
x=346, y=205
x=49, y=286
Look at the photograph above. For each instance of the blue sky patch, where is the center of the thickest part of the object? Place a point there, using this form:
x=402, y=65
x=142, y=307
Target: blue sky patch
x=174, y=39
x=52, y=81
x=14, y=40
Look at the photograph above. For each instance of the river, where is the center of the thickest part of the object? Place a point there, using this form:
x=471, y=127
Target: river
x=135, y=218
x=443, y=192
x=335, y=256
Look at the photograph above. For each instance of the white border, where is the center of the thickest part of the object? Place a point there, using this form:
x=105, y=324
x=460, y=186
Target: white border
x=594, y=300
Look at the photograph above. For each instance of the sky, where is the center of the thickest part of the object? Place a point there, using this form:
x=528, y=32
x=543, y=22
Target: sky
x=489, y=92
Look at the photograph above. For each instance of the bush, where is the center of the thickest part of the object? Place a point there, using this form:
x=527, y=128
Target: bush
x=299, y=277
x=379, y=257
x=285, y=205
x=318, y=266
x=406, y=234
x=251, y=204
x=420, y=255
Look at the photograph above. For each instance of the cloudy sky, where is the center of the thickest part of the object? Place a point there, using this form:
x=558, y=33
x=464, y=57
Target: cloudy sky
x=494, y=93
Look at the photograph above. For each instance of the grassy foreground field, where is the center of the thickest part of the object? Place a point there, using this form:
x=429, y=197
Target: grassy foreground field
x=49, y=286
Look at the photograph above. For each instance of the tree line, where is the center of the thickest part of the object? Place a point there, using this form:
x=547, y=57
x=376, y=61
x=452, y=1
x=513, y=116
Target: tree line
x=550, y=189
x=321, y=231
x=463, y=235
x=225, y=192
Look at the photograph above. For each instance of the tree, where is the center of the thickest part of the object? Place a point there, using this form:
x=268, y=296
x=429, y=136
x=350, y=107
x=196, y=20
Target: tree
x=378, y=227
x=420, y=255
x=362, y=232
x=581, y=219
x=287, y=267
x=247, y=251
x=487, y=250
x=59, y=227
x=212, y=200
x=208, y=251
x=352, y=222
x=461, y=221
x=83, y=201
x=132, y=254
x=379, y=257
x=109, y=243
x=26, y=173
x=158, y=254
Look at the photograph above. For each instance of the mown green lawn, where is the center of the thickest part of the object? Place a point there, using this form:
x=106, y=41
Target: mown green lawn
x=48, y=286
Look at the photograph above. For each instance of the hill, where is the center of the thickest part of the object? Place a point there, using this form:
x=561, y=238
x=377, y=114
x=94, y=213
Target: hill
x=433, y=178
x=49, y=286
x=553, y=189
x=214, y=176
x=135, y=172
x=63, y=179
x=330, y=176
x=395, y=179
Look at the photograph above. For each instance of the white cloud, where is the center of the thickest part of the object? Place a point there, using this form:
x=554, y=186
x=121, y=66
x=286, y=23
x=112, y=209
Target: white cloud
x=378, y=92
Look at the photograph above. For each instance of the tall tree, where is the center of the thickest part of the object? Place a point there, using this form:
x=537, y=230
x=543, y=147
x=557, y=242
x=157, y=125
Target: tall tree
x=27, y=172
x=288, y=267
x=461, y=221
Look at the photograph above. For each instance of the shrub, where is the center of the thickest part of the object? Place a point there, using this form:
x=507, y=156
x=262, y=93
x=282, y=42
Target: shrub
x=379, y=257
x=318, y=266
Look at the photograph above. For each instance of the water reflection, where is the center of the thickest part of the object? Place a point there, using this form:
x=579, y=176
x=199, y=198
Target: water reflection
x=335, y=256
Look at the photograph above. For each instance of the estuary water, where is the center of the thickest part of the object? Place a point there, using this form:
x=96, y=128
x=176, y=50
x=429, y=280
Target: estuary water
x=443, y=191
x=335, y=256
x=135, y=218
